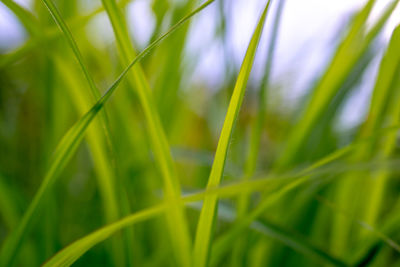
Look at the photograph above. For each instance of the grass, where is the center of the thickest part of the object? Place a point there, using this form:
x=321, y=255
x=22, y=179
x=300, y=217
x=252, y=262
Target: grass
x=112, y=190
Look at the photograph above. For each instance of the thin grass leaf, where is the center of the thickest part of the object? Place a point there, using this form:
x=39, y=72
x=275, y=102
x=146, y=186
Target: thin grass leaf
x=386, y=94
x=105, y=172
x=373, y=186
x=71, y=253
x=176, y=217
x=257, y=128
x=65, y=150
x=208, y=212
x=346, y=57
x=276, y=232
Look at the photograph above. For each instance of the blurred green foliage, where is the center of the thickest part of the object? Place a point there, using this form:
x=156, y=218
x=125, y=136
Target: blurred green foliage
x=99, y=168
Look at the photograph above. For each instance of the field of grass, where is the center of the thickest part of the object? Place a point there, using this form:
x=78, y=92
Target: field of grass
x=111, y=155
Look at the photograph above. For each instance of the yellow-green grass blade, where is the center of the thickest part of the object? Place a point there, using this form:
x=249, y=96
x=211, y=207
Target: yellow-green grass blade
x=65, y=150
x=96, y=140
x=256, y=130
x=346, y=57
x=176, y=217
x=207, y=216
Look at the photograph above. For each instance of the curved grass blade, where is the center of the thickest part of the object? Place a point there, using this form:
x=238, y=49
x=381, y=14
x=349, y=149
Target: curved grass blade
x=176, y=217
x=71, y=253
x=65, y=150
x=207, y=215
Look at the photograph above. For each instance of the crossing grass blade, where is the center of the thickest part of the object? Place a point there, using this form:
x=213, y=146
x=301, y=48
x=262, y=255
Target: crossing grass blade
x=207, y=216
x=176, y=217
x=74, y=251
x=66, y=149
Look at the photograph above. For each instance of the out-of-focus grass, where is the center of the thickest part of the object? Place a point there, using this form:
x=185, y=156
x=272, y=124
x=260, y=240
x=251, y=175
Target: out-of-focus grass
x=291, y=194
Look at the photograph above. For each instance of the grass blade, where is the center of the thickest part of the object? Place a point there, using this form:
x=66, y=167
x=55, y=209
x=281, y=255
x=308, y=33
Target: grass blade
x=65, y=150
x=160, y=147
x=207, y=215
x=71, y=253
x=346, y=57
x=386, y=93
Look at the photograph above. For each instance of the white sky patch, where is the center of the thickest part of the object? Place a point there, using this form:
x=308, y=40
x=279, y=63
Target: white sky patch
x=141, y=21
x=12, y=34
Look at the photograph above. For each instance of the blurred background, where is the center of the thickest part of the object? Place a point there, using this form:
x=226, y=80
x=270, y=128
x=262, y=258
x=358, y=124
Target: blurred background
x=192, y=75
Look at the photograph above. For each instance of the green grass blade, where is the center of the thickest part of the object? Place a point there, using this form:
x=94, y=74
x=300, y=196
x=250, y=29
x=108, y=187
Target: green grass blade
x=71, y=253
x=383, y=92
x=67, y=33
x=386, y=92
x=256, y=130
x=346, y=57
x=176, y=218
x=65, y=149
x=207, y=215
x=276, y=232
x=105, y=173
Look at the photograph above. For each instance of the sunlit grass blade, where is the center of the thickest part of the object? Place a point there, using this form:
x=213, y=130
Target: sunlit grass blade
x=178, y=227
x=207, y=216
x=65, y=150
x=257, y=128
